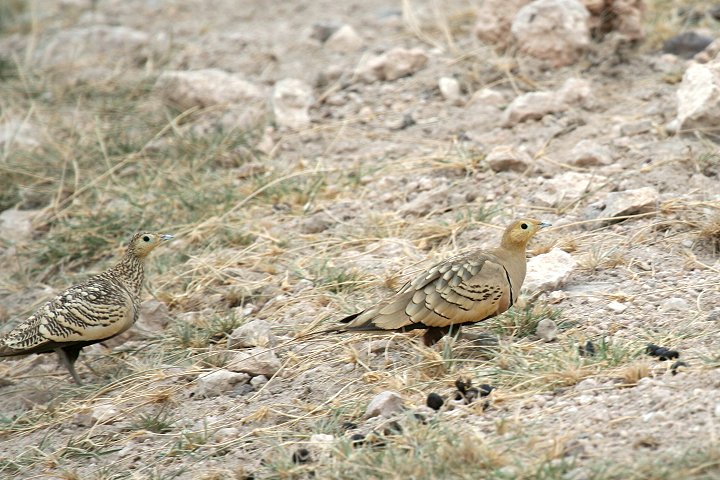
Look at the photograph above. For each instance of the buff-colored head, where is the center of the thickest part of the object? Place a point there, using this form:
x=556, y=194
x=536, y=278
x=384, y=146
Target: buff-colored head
x=145, y=242
x=519, y=233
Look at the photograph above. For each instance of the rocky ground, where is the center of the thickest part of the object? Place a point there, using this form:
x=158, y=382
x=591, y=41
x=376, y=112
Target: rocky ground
x=312, y=156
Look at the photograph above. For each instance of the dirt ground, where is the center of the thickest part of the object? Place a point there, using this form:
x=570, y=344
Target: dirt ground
x=301, y=226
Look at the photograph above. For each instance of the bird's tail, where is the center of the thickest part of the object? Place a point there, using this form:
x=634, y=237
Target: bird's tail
x=365, y=327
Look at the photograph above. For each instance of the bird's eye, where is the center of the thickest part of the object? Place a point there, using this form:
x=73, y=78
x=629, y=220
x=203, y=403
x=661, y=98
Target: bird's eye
x=524, y=226
x=147, y=239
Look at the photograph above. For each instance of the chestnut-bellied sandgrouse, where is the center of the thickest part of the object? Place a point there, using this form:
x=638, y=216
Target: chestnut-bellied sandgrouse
x=464, y=289
x=100, y=308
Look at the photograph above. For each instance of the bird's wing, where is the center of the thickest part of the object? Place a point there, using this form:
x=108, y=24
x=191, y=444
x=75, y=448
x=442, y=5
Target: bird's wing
x=93, y=311
x=461, y=290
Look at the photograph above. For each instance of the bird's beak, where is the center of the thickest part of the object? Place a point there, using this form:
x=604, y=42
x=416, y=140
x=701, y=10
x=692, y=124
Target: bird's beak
x=166, y=236
x=545, y=224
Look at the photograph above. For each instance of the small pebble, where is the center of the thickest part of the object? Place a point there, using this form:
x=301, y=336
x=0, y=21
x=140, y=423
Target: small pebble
x=617, y=307
x=435, y=401
x=686, y=44
x=547, y=330
x=449, y=89
x=674, y=304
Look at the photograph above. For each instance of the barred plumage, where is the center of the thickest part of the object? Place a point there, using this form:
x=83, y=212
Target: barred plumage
x=464, y=289
x=100, y=308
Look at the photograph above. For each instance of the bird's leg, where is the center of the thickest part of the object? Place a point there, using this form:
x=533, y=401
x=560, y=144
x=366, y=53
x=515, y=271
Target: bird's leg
x=434, y=334
x=68, y=355
x=454, y=331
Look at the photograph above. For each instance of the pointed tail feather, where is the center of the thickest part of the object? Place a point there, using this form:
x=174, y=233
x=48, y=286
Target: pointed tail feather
x=368, y=326
x=352, y=317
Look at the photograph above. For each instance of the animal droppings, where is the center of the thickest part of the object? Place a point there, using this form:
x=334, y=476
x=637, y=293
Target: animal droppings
x=435, y=401
x=662, y=352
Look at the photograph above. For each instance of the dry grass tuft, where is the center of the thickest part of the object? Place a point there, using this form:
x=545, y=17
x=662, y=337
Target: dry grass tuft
x=710, y=232
x=633, y=373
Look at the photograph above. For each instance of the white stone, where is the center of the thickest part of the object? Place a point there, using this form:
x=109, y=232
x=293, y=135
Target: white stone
x=717, y=409
x=566, y=187
x=205, y=88
x=384, y=404
x=316, y=223
x=506, y=157
x=617, y=307
x=532, y=106
x=322, y=441
x=225, y=434
x=546, y=329
x=345, y=39
x=256, y=361
x=216, y=383
x=398, y=62
x=16, y=225
x=105, y=44
x=449, y=89
x=258, y=381
x=105, y=414
x=630, y=202
x=131, y=448
x=548, y=271
x=673, y=126
x=535, y=105
x=630, y=129
x=676, y=304
x=556, y=296
x=291, y=99
x=494, y=19
x=488, y=96
x=698, y=97
x=553, y=30
x=256, y=333
x=589, y=153
x=575, y=91
x=16, y=133
x=587, y=384
x=154, y=316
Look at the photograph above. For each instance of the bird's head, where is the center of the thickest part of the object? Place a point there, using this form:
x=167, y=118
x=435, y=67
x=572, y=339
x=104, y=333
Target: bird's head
x=145, y=242
x=519, y=232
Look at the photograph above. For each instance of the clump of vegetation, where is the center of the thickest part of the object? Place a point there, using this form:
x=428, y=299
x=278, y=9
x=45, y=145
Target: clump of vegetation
x=522, y=321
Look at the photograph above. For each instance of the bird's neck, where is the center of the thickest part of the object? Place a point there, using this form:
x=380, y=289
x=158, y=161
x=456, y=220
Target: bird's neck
x=514, y=256
x=130, y=272
x=511, y=245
